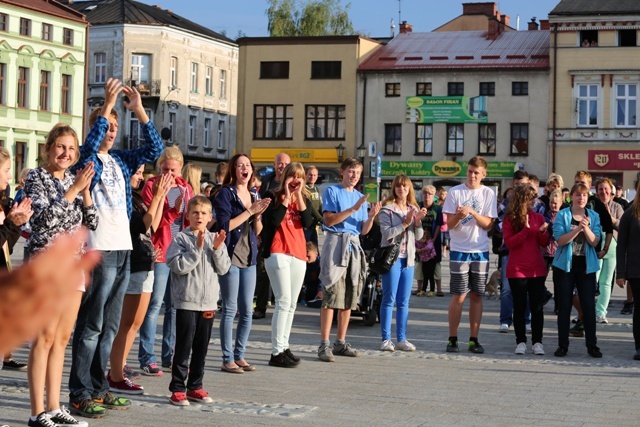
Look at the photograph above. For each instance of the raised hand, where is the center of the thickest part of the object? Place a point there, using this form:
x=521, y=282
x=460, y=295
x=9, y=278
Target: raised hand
x=21, y=212
x=543, y=227
x=200, y=239
x=162, y=185
x=111, y=90
x=409, y=218
x=219, y=239
x=360, y=202
x=374, y=209
x=259, y=206
x=135, y=100
x=84, y=177
x=420, y=215
x=287, y=191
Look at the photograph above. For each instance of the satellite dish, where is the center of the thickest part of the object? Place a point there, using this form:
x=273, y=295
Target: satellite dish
x=165, y=133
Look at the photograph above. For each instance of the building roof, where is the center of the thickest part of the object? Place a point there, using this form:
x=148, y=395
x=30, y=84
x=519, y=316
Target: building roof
x=596, y=7
x=48, y=7
x=461, y=50
x=302, y=40
x=106, y=12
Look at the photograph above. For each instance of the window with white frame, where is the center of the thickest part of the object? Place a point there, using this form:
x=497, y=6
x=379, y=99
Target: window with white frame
x=100, y=75
x=194, y=77
x=626, y=104
x=424, y=139
x=222, y=123
x=587, y=105
x=208, y=81
x=192, y=130
x=173, y=72
x=455, y=139
x=172, y=126
x=223, y=84
x=136, y=137
x=141, y=68
x=393, y=138
x=206, y=137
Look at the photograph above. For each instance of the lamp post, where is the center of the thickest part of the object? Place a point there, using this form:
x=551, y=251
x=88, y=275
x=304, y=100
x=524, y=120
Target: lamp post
x=361, y=151
x=340, y=150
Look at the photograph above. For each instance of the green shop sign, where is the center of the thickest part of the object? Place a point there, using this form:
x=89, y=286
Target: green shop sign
x=446, y=109
x=444, y=169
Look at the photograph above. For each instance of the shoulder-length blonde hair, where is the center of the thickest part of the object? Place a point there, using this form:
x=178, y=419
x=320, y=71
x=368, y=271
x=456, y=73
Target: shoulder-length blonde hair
x=292, y=170
x=398, y=181
x=192, y=174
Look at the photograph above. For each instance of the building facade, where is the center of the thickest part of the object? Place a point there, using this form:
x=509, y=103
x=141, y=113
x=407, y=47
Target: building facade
x=187, y=76
x=42, y=73
x=594, y=85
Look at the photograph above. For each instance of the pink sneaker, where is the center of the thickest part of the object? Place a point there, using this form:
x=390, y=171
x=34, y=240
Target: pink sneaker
x=199, y=396
x=178, y=398
x=125, y=386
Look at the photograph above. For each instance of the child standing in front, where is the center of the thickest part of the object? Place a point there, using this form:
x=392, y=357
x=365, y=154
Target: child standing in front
x=196, y=257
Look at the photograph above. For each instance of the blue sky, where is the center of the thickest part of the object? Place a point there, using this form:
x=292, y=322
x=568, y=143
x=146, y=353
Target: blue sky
x=371, y=17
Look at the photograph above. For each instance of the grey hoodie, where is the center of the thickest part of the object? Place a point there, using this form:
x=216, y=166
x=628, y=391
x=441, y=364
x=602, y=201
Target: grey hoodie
x=194, y=271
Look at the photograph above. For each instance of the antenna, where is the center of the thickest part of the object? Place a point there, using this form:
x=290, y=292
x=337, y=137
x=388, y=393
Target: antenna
x=400, y=11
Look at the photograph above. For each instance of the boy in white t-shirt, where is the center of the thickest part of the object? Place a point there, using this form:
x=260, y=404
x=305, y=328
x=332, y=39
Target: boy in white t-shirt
x=471, y=209
x=99, y=314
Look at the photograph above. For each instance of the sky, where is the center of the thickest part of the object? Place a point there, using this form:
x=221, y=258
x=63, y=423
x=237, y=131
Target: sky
x=369, y=17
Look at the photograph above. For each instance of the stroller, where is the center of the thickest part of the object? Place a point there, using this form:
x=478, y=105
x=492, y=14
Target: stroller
x=371, y=297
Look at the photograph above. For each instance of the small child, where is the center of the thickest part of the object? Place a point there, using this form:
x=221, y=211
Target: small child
x=427, y=253
x=196, y=257
x=312, y=285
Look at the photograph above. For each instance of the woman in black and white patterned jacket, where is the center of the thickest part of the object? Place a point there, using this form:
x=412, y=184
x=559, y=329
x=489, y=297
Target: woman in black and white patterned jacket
x=61, y=203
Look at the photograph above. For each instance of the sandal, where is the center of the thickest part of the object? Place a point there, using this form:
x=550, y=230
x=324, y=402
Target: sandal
x=236, y=370
x=247, y=368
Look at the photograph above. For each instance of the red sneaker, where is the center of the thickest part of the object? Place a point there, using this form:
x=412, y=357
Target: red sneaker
x=199, y=395
x=178, y=398
x=125, y=386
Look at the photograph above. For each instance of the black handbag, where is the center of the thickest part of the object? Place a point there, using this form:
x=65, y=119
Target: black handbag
x=381, y=259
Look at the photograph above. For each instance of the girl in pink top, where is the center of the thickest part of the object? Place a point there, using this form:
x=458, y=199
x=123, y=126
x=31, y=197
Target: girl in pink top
x=525, y=232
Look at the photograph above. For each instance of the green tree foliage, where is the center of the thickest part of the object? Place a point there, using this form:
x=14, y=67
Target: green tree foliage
x=314, y=18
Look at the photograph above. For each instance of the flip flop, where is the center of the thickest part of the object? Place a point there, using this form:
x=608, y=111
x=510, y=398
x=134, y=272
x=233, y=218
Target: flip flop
x=248, y=368
x=237, y=370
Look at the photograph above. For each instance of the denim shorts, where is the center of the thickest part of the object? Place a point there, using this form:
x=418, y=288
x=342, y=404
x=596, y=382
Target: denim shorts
x=140, y=282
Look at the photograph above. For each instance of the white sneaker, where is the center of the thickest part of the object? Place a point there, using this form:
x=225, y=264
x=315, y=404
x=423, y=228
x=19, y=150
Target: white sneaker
x=521, y=348
x=528, y=327
x=504, y=328
x=405, y=346
x=538, y=349
x=387, y=345
x=601, y=319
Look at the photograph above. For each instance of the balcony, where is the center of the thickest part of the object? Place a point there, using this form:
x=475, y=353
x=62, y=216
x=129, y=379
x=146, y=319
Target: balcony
x=597, y=135
x=146, y=87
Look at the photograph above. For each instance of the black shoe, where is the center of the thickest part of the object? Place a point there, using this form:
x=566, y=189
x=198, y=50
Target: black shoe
x=561, y=351
x=281, y=360
x=627, y=308
x=43, y=420
x=257, y=314
x=475, y=347
x=292, y=356
x=14, y=364
x=594, y=351
x=577, y=330
x=547, y=297
x=637, y=355
x=452, y=347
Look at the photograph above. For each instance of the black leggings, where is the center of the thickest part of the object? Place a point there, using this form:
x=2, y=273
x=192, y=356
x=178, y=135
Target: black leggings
x=635, y=289
x=428, y=272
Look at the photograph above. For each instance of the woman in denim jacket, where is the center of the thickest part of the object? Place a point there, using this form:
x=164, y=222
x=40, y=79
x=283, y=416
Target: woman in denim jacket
x=577, y=230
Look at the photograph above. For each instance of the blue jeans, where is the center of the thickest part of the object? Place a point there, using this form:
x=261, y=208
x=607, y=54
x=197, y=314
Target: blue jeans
x=586, y=286
x=146, y=351
x=506, y=299
x=97, y=325
x=236, y=289
x=396, y=290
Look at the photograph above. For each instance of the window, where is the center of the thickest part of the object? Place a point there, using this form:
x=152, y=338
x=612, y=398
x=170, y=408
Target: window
x=65, y=100
x=520, y=139
x=172, y=126
x=192, y=130
x=221, y=127
x=67, y=36
x=23, y=87
x=20, y=160
x=589, y=38
x=45, y=80
x=194, y=77
x=627, y=38
x=208, y=84
x=4, y=22
x=487, y=139
x=273, y=122
x=47, y=32
x=136, y=138
x=392, y=139
x=326, y=69
x=519, y=88
x=173, y=72
x=391, y=89
x=424, y=139
x=274, y=69
x=100, y=75
x=455, y=89
x=25, y=27
x=206, y=137
x=223, y=84
x=487, y=88
x=587, y=104
x=3, y=76
x=626, y=105
x=423, y=89
x=455, y=139
x=140, y=69
x=325, y=122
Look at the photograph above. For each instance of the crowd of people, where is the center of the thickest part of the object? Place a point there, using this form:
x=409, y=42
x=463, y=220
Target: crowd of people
x=140, y=244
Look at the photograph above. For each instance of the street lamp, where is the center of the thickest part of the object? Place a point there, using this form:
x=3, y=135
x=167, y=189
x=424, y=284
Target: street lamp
x=361, y=151
x=340, y=149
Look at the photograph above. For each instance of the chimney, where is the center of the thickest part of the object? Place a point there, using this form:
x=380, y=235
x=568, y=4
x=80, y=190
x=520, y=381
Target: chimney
x=488, y=8
x=544, y=24
x=405, y=28
x=494, y=29
x=533, y=25
x=506, y=20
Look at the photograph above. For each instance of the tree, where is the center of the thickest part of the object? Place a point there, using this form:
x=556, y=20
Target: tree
x=314, y=18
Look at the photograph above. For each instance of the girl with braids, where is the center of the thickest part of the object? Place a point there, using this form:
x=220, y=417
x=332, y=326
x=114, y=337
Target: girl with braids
x=525, y=232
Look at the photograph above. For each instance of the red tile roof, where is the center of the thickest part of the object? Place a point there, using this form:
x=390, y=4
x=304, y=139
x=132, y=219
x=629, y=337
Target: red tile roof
x=461, y=50
x=49, y=7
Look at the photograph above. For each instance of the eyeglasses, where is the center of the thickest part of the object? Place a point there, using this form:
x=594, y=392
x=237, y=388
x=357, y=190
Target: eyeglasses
x=428, y=194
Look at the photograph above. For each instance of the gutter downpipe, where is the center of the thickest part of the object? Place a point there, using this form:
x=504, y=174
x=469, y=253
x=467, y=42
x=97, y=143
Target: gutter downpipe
x=86, y=78
x=555, y=92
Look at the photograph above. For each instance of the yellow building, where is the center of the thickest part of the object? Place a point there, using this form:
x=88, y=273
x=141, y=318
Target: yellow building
x=299, y=95
x=595, y=77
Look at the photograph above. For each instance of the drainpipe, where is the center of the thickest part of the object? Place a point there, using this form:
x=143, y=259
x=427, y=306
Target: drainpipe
x=364, y=108
x=555, y=92
x=86, y=79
